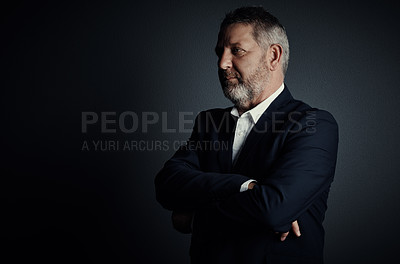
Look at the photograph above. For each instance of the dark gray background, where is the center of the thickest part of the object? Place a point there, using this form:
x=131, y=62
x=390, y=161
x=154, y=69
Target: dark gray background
x=63, y=205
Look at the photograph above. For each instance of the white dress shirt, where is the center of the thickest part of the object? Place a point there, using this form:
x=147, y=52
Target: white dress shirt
x=244, y=124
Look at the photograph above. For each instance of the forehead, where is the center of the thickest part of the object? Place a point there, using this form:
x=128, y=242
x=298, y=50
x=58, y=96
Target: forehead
x=238, y=33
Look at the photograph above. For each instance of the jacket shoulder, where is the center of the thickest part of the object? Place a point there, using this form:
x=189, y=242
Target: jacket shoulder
x=308, y=111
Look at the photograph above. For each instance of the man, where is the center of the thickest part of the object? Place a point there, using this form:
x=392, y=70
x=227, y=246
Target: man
x=261, y=199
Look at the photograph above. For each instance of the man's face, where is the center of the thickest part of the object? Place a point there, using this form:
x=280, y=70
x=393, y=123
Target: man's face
x=243, y=71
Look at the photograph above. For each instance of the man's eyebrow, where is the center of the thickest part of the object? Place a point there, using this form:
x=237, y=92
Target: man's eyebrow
x=229, y=45
x=235, y=44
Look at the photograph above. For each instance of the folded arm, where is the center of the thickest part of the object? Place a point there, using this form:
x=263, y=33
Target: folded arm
x=303, y=170
x=182, y=185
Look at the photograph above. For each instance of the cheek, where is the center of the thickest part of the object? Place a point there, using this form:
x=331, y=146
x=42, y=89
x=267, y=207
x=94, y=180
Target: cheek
x=245, y=66
x=242, y=68
x=244, y=71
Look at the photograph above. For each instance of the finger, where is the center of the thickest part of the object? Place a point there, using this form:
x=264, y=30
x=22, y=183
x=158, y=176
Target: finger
x=296, y=228
x=284, y=235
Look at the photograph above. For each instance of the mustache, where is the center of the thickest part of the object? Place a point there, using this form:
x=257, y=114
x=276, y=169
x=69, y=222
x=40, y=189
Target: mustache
x=224, y=74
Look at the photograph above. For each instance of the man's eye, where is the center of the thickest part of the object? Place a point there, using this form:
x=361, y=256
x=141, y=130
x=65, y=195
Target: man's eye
x=237, y=51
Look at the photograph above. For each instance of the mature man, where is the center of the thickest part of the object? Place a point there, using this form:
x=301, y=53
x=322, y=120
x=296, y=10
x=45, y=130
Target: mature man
x=275, y=173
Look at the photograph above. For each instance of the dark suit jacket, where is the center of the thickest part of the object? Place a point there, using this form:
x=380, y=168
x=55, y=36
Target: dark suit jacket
x=291, y=152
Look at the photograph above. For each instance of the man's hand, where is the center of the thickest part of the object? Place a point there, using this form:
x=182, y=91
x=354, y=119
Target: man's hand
x=295, y=229
x=295, y=225
x=182, y=221
x=251, y=185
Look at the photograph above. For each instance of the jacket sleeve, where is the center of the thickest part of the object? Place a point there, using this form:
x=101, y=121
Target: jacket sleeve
x=182, y=185
x=303, y=170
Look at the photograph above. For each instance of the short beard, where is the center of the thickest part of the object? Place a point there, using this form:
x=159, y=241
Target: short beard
x=243, y=93
x=240, y=94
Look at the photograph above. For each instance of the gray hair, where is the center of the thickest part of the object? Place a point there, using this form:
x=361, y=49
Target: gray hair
x=267, y=29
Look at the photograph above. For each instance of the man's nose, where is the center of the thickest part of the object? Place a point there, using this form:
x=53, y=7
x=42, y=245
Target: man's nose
x=225, y=62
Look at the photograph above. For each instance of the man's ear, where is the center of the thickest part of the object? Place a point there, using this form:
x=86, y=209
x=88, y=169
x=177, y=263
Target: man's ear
x=274, y=57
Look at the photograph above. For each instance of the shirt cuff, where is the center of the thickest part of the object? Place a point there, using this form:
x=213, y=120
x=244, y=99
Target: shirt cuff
x=245, y=185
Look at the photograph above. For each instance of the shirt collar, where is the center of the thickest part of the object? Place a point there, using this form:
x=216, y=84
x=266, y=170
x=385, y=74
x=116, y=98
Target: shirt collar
x=259, y=109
